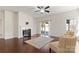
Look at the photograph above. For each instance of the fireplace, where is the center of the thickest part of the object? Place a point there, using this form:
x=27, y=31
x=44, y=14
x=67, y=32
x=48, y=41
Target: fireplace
x=26, y=34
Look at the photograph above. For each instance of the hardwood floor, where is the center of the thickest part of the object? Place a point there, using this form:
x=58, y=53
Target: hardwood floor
x=16, y=45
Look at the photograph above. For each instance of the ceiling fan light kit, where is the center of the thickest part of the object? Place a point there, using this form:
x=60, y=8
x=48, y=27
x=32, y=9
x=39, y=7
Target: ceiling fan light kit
x=43, y=9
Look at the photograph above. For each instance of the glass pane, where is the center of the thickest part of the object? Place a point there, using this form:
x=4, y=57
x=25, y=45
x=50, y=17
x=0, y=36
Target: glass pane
x=44, y=28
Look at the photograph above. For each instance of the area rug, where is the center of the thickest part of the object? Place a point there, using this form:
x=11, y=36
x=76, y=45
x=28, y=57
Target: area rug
x=39, y=42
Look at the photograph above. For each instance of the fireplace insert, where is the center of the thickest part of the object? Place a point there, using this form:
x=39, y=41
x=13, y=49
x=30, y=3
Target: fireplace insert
x=26, y=34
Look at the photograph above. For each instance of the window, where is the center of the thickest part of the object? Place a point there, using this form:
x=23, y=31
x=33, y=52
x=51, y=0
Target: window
x=74, y=26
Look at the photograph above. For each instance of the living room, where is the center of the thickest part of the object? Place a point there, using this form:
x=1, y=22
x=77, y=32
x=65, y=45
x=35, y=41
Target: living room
x=13, y=20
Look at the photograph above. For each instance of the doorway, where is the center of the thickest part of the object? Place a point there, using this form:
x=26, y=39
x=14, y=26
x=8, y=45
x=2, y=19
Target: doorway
x=44, y=28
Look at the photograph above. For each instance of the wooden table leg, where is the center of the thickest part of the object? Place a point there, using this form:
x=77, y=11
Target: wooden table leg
x=49, y=50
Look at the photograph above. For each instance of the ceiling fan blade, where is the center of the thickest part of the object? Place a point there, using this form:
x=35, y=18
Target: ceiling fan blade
x=42, y=7
x=39, y=7
x=47, y=7
x=37, y=10
x=47, y=11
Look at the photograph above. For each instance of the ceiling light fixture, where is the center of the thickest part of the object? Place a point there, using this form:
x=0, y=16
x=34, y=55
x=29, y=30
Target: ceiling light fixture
x=43, y=9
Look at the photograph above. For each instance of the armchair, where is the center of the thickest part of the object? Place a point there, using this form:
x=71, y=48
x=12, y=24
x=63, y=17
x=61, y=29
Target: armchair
x=66, y=44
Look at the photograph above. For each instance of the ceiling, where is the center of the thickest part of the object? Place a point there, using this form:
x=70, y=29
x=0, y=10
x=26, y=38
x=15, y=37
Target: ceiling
x=31, y=9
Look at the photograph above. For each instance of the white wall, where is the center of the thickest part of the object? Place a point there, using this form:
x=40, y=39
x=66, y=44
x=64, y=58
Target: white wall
x=43, y=19
x=58, y=26
x=15, y=22
x=0, y=28
x=12, y=24
x=23, y=18
x=9, y=24
x=1, y=23
x=58, y=22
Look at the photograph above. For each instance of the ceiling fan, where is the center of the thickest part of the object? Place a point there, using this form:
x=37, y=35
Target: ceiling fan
x=43, y=9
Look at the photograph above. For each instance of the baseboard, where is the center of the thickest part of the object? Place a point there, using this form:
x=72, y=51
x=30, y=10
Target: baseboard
x=2, y=39
x=12, y=38
x=35, y=35
x=20, y=38
x=9, y=38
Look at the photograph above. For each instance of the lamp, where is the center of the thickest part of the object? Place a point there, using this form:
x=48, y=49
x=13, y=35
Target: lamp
x=68, y=22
